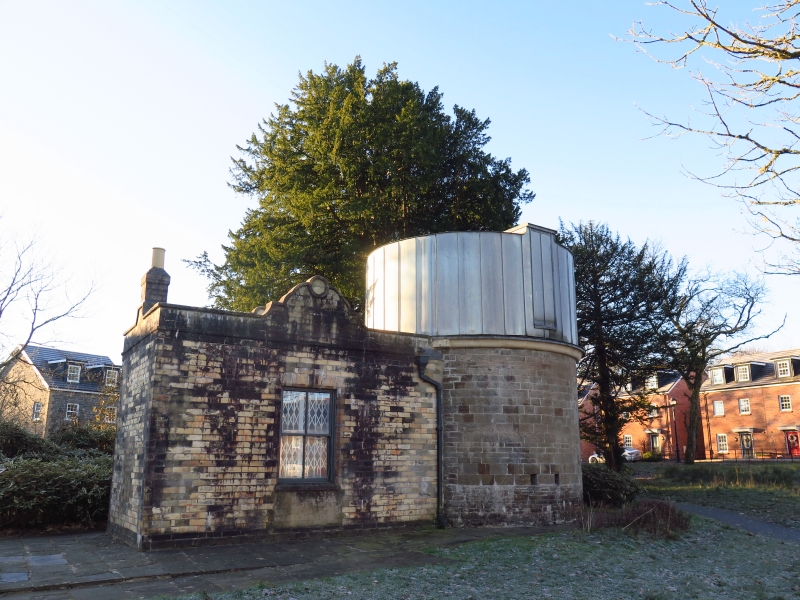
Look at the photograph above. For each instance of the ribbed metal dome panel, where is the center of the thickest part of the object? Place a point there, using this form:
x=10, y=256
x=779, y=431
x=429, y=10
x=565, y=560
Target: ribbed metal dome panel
x=515, y=283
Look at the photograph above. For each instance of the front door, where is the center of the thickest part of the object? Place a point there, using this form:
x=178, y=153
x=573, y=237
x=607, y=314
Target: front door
x=793, y=443
x=655, y=442
x=747, y=444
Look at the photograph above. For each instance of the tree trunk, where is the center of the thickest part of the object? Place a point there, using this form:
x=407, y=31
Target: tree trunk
x=693, y=423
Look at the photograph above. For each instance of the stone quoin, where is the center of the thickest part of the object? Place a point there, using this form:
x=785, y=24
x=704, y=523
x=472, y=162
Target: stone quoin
x=450, y=401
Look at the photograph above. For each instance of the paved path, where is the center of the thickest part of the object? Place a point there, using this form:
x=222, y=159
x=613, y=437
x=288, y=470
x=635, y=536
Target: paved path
x=92, y=566
x=779, y=532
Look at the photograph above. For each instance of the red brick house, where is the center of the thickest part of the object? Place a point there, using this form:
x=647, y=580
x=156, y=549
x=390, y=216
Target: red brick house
x=748, y=404
x=747, y=410
x=664, y=429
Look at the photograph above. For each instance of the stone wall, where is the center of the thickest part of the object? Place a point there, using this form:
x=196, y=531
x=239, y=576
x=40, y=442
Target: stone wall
x=511, y=443
x=199, y=420
x=21, y=387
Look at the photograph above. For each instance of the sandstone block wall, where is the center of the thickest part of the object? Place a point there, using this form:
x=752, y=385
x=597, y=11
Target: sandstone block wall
x=511, y=443
x=199, y=422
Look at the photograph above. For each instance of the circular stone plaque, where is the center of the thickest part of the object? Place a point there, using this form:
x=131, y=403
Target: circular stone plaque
x=319, y=287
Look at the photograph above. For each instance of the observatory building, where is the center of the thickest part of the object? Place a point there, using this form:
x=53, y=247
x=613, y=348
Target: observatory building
x=450, y=400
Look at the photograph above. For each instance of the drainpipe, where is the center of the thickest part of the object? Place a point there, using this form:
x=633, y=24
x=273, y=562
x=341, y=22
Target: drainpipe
x=422, y=362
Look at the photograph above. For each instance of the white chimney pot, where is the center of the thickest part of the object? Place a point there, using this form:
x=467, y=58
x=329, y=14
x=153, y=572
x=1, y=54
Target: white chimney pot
x=158, y=258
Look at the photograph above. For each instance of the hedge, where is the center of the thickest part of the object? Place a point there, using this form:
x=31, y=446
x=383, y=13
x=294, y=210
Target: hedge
x=36, y=492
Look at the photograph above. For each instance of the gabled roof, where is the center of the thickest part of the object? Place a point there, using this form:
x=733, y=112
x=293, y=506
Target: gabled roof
x=50, y=362
x=761, y=376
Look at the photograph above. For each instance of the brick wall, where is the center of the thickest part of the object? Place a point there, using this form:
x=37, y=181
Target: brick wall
x=198, y=442
x=512, y=451
x=765, y=417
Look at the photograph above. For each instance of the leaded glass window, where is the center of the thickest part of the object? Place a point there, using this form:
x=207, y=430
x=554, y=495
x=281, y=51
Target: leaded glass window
x=305, y=435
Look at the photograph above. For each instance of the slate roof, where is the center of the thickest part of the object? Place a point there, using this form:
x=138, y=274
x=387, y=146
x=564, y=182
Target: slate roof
x=761, y=376
x=54, y=373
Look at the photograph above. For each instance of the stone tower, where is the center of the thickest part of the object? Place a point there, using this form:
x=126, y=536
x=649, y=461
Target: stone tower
x=501, y=309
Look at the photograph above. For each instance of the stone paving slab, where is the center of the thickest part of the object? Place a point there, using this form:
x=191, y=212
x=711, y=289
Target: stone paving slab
x=93, y=566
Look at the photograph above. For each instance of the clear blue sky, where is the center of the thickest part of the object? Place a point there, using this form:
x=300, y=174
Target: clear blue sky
x=118, y=121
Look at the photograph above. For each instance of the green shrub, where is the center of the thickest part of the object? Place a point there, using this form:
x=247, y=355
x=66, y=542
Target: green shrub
x=601, y=485
x=17, y=441
x=36, y=492
x=652, y=456
x=82, y=437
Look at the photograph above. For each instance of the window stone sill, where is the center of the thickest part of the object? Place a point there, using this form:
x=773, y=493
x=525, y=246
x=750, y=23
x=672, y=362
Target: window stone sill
x=325, y=486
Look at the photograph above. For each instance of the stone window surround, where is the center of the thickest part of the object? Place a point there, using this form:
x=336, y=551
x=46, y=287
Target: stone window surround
x=284, y=483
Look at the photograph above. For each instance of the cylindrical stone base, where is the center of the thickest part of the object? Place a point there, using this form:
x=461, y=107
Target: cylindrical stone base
x=511, y=440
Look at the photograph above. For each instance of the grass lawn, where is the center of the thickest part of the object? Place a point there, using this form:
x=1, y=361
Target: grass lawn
x=763, y=491
x=709, y=561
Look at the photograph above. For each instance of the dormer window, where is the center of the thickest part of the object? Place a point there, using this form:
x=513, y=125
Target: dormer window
x=112, y=378
x=73, y=374
x=717, y=377
x=783, y=368
x=743, y=373
x=652, y=382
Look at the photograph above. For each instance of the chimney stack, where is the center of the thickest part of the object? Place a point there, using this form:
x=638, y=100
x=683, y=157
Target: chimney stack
x=155, y=283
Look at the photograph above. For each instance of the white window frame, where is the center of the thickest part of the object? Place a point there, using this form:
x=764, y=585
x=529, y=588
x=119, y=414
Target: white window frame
x=115, y=373
x=653, y=412
x=722, y=443
x=73, y=414
x=73, y=374
x=110, y=415
x=778, y=367
x=625, y=415
x=719, y=408
x=652, y=382
x=37, y=411
x=785, y=403
x=717, y=376
x=743, y=369
x=744, y=406
x=627, y=440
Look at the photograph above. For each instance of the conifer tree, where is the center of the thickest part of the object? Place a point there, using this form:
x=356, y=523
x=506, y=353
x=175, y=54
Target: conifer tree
x=350, y=164
x=621, y=292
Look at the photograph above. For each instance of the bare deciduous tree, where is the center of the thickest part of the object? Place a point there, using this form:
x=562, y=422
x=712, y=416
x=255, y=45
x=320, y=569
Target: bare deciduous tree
x=34, y=295
x=706, y=318
x=751, y=87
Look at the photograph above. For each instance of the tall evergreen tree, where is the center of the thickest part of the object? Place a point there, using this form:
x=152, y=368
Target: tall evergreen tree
x=348, y=165
x=620, y=292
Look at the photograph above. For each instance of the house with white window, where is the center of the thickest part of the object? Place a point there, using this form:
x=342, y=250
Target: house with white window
x=54, y=387
x=748, y=405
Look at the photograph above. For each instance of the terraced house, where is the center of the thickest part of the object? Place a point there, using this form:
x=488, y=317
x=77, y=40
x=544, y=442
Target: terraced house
x=50, y=387
x=747, y=406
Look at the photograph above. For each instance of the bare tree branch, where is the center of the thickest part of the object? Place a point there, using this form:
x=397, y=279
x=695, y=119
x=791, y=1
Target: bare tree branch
x=757, y=75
